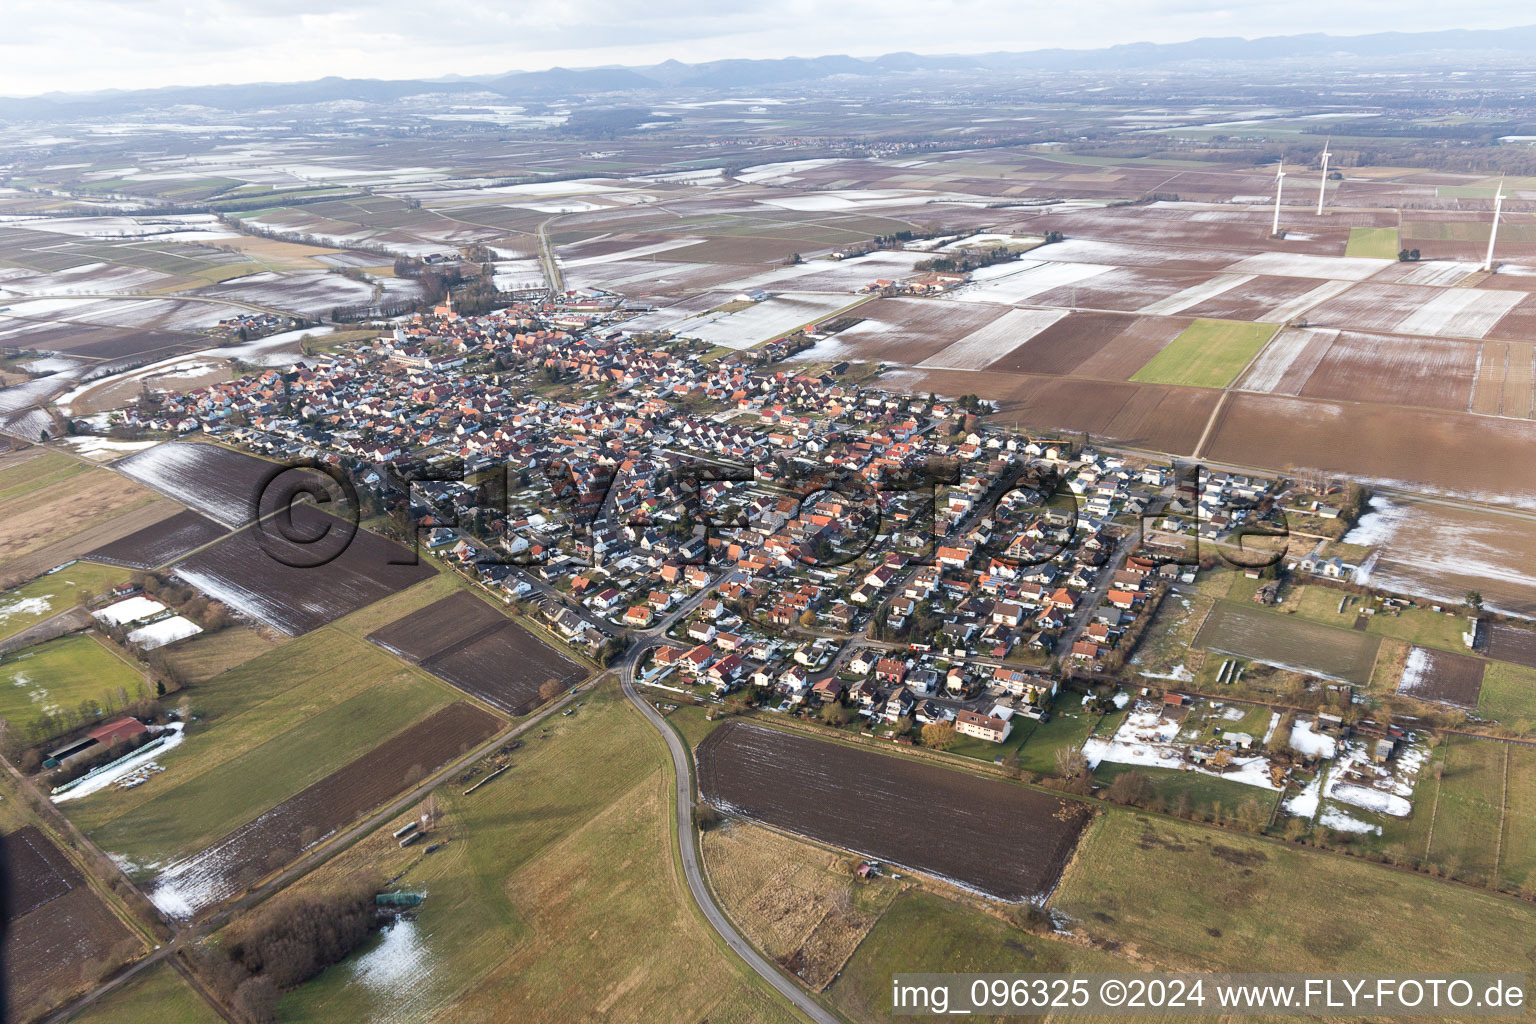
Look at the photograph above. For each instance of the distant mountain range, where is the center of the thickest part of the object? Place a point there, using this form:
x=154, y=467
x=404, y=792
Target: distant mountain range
x=674, y=77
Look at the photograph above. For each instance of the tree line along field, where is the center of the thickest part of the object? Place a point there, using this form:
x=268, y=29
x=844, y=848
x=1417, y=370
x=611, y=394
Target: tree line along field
x=534, y=908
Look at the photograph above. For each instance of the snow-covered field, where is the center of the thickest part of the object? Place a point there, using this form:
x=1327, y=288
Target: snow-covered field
x=1193, y=296
x=1280, y=354
x=1293, y=308
x=988, y=344
x=1441, y=553
x=1010, y=283
x=180, y=470
x=311, y=294
x=86, y=279
x=24, y=606
x=1463, y=312
x=762, y=321
x=1295, y=264
x=635, y=253
x=1415, y=671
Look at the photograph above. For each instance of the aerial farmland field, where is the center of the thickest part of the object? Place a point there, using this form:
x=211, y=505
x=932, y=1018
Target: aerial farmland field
x=1374, y=243
x=1442, y=676
x=1209, y=353
x=186, y=887
x=1210, y=912
x=286, y=591
x=464, y=641
x=163, y=542
x=816, y=784
x=1289, y=643
x=214, y=480
x=54, y=927
x=59, y=674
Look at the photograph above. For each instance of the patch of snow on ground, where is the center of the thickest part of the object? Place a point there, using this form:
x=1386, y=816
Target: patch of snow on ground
x=105, y=448
x=392, y=965
x=1355, y=781
x=1147, y=738
x=1304, y=804
x=1334, y=818
x=1312, y=744
x=24, y=606
x=1415, y=670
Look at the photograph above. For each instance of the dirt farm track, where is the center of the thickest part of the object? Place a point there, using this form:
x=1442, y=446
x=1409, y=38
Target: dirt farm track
x=985, y=834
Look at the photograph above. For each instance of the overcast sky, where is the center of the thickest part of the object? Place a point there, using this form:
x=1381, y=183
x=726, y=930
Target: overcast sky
x=83, y=45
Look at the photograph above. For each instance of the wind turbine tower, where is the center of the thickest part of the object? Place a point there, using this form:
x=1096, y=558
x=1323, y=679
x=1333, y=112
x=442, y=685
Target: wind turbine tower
x=1493, y=233
x=1322, y=187
x=1279, y=185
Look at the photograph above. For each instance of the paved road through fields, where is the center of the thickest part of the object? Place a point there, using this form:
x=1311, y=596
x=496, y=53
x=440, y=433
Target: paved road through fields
x=683, y=769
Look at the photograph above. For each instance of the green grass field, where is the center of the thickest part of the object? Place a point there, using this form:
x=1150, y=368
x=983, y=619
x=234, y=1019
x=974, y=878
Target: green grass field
x=158, y=996
x=1069, y=726
x=1469, y=811
x=48, y=595
x=60, y=674
x=1508, y=693
x=1224, y=901
x=204, y=656
x=1517, y=861
x=925, y=932
x=39, y=471
x=261, y=733
x=554, y=897
x=1376, y=243
x=1206, y=354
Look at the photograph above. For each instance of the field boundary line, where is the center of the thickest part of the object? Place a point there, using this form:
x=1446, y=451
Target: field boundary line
x=1498, y=847
x=1434, y=811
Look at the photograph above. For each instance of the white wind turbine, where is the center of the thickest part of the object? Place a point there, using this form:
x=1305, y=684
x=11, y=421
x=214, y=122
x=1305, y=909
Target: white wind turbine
x=1279, y=185
x=1493, y=233
x=1322, y=187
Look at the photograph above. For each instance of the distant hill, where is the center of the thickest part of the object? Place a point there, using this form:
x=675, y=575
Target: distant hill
x=673, y=77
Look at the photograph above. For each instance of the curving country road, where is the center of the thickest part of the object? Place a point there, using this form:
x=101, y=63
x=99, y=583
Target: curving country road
x=683, y=770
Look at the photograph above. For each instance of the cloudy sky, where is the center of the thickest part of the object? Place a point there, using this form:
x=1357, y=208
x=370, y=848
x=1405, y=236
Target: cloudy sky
x=83, y=45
